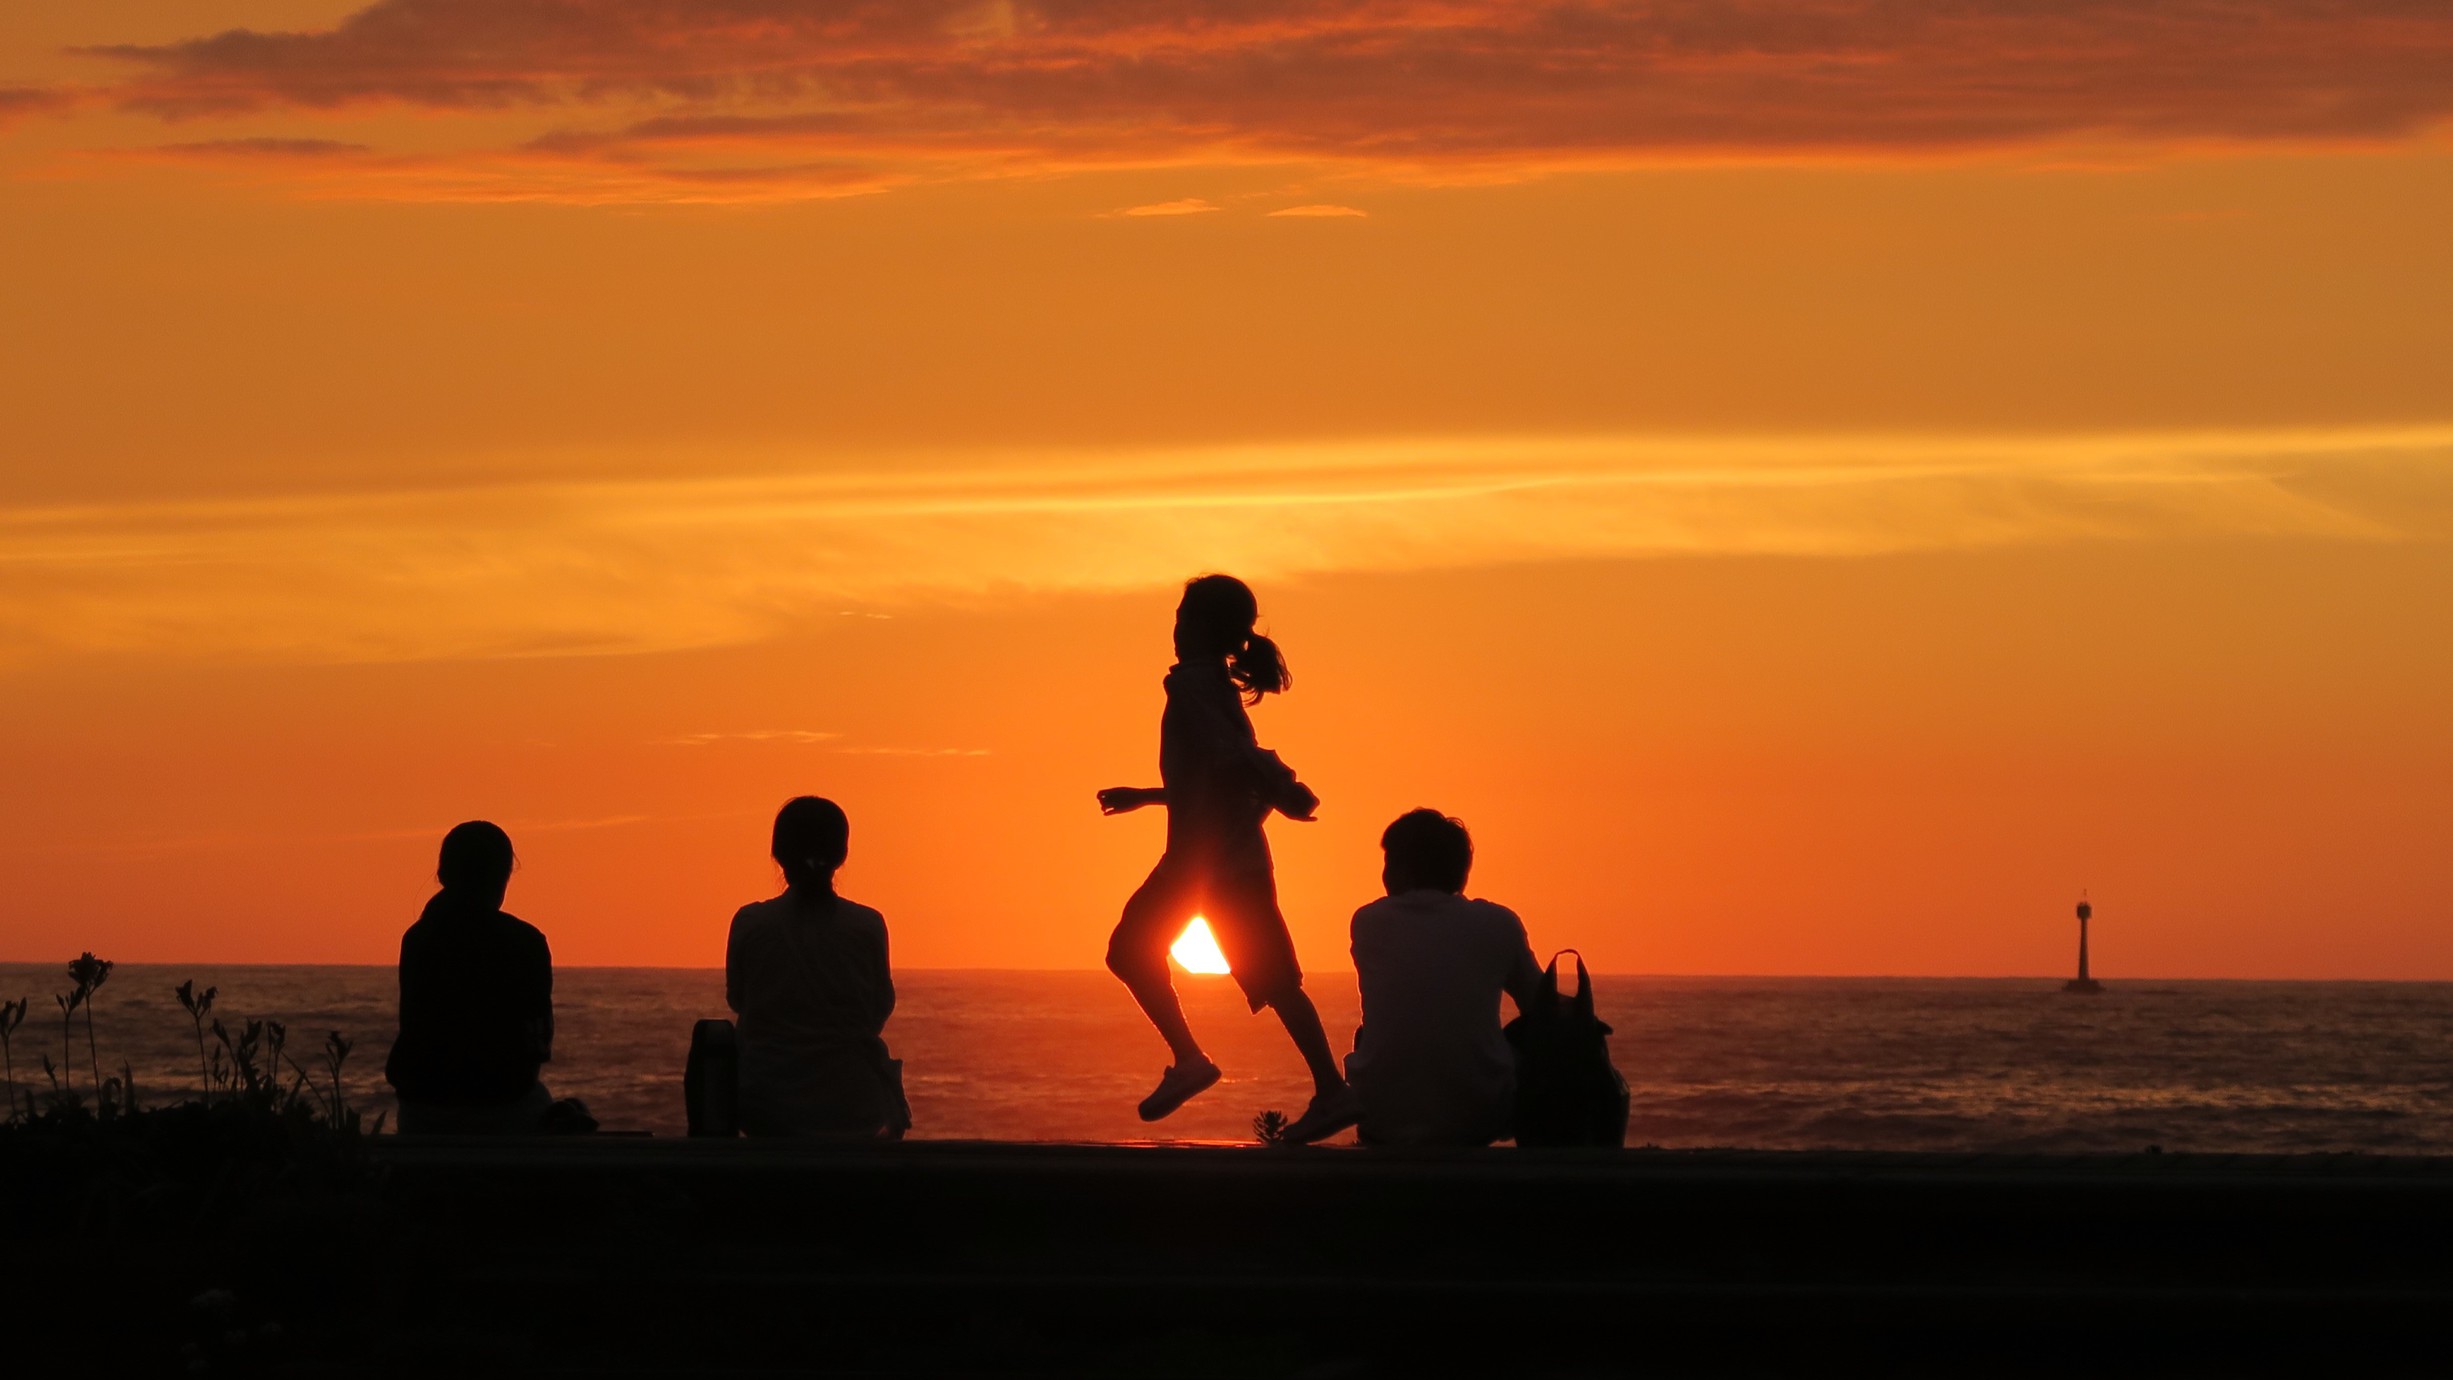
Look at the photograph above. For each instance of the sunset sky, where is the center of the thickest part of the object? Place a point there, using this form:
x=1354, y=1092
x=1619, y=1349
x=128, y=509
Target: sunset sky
x=1815, y=484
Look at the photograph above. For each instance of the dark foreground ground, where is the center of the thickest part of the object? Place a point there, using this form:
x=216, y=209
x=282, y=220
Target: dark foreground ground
x=664, y=1257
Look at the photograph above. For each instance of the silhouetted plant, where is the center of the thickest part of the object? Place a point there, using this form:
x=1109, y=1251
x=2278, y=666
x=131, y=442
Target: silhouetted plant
x=276, y=1037
x=1270, y=1126
x=89, y=973
x=68, y=1002
x=306, y=1079
x=336, y=1053
x=12, y=1015
x=246, y=1077
x=198, y=1007
x=63, y=1096
x=250, y=1078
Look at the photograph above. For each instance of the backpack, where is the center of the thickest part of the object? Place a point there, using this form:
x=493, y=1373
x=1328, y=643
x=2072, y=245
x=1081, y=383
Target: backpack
x=711, y=1081
x=1567, y=1090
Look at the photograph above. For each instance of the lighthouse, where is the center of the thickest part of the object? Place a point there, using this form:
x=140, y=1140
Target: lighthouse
x=2082, y=982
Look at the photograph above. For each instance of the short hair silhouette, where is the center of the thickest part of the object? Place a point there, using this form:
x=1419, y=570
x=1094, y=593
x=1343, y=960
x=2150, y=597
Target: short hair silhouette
x=810, y=840
x=1215, y=618
x=1427, y=849
x=476, y=857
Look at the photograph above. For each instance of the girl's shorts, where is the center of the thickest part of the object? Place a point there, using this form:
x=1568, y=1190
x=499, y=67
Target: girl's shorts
x=1241, y=906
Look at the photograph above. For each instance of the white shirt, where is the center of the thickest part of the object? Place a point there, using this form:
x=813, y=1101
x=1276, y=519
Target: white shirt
x=1429, y=1061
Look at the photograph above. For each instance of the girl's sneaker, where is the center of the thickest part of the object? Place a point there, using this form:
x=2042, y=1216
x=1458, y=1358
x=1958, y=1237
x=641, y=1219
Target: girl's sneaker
x=1329, y=1114
x=1177, y=1086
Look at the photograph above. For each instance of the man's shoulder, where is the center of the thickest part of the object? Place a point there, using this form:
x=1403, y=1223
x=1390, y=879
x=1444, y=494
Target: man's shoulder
x=1377, y=912
x=1446, y=910
x=1491, y=911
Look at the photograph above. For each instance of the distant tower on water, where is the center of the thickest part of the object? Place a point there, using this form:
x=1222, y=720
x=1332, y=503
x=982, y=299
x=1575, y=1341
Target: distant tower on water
x=2082, y=982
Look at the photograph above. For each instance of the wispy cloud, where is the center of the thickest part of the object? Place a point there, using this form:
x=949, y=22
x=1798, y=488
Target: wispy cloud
x=140, y=844
x=813, y=737
x=17, y=102
x=608, y=567
x=1320, y=210
x=768, y=98
x=755, y=735
x=1188, y=206
x=262, y=148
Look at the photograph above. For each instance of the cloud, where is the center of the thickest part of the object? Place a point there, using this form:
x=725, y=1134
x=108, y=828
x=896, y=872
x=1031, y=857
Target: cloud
x=1321, y=210
x=141, y=843
x=262, y=148
x=653, y=95
x=1189, y=206
x=803, y=736
x=17, y=102
x=539, y=171
x=693, y=560
x=756, y=735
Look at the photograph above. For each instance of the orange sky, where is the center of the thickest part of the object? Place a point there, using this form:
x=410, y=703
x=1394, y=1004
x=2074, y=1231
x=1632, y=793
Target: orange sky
x=1812, y=485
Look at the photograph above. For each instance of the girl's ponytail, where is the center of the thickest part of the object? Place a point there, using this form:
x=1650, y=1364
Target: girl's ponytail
x=1259, y=669
x=1215, y=620
x=810, y=839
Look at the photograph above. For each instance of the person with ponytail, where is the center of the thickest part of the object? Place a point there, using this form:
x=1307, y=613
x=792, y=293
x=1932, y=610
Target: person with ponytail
x=476, y=1000
x=807, y=978
x=1219, y=786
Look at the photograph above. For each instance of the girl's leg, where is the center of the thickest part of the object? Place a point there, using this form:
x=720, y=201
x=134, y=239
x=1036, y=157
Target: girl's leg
x=1244, y=914
x=1158, y=1002
x=1137, y=954
x=1302, y=1021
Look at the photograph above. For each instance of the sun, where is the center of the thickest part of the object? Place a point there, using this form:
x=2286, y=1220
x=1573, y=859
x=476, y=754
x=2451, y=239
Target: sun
x=1197, y=951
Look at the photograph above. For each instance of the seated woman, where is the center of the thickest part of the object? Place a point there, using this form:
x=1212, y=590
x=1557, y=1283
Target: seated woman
x=476, y=1000
x=806, y=975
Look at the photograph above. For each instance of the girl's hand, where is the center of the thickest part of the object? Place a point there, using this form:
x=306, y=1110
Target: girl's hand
x=1299, y=802
x=1117, y=800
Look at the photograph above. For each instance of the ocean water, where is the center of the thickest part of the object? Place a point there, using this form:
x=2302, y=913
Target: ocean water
x=1786, y=1063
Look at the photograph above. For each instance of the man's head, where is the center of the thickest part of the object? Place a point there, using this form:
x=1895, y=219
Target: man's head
x=1426, y=849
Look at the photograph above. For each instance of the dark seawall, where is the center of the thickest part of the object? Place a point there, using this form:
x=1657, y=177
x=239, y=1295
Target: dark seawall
x=638, y=1256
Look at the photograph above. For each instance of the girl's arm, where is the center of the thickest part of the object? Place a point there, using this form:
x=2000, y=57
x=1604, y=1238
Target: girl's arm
x=732, y=965
x=885, y=975
x=542, y=996
x=1275, y=782
x=1117, y=800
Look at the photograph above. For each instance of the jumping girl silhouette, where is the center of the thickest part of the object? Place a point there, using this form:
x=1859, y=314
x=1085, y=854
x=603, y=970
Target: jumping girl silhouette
x=1219, y=786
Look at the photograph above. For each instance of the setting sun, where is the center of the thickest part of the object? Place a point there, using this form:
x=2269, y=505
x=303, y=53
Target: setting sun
x=1198, y=951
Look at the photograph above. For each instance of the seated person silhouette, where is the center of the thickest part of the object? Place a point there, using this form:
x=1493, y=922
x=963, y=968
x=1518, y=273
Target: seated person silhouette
x=807, y=976
x=476, y=1000
x=1430, y=1064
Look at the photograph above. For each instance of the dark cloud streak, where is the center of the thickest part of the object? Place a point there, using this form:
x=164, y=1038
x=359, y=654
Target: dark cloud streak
x=16, y=102
x=938, y=87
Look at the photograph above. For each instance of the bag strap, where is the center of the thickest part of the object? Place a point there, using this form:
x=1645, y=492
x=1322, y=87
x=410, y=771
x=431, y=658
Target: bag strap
x=1584, y=982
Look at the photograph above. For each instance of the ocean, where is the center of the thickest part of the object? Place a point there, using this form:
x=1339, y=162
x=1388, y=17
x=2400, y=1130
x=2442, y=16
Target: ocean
x=2008, y=1064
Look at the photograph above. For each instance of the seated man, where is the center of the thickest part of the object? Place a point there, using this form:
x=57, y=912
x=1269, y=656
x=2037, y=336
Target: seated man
x=476, y=1000
x=1430, y=1064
